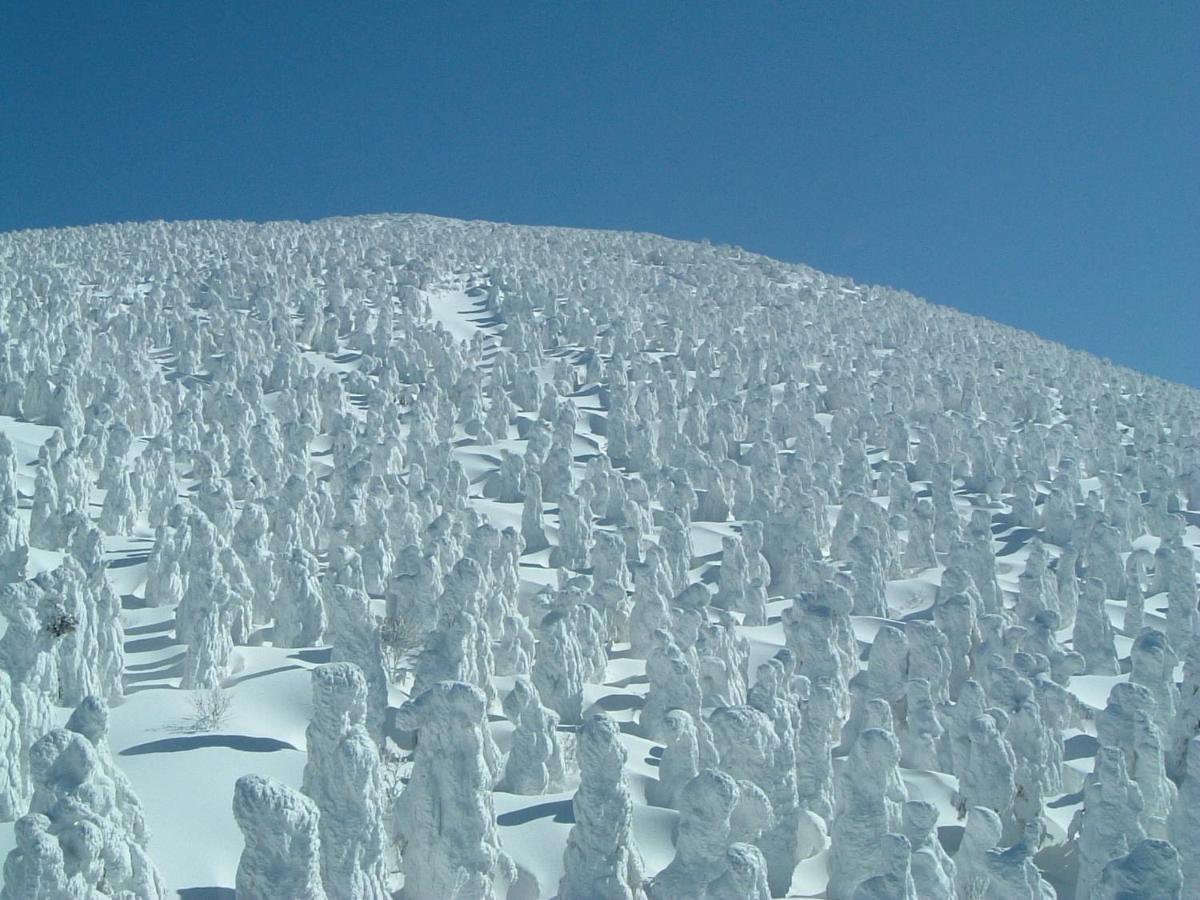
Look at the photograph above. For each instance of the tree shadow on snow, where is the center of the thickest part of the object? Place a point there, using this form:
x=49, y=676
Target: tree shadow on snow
x=561, y=810
x=316, y=655
x=150, y=644
x=618, y=702
x=124, y=562
x=241, y=742
x=265, y=672
x=151, y=628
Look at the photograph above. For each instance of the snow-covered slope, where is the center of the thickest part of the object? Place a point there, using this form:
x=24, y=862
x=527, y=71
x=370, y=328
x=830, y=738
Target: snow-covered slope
x=851, y=549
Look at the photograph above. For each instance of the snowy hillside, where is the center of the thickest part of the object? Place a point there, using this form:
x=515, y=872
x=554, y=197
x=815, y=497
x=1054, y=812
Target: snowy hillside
x=406, y=556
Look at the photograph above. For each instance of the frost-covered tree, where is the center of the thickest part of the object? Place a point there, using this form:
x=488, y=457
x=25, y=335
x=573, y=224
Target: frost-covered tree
x=14, y=777
x=356, y=640
x=14, y=539
x=450, y=845
x=673, y=685
x=869, y=806
x=342, y=776
x=1108, y=823
x=1183, y=826
x=680, y=760
x=932, y=869
x=98, y=838
x=535, y=759
x=558, y=667
x=1149, y=869
x=280, y=826
x=601, y=860
x=702, y=844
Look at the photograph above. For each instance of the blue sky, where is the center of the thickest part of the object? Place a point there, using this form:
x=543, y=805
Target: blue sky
x=1035, y=163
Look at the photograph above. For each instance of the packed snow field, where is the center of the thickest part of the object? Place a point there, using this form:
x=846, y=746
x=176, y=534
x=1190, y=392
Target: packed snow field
x=399, y=556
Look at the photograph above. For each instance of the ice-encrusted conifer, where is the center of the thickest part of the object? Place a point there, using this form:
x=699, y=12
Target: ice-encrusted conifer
x=954, y=617
x=745, y=877
x=702, y=843
x=210, y=644
x=14, y=787
x=1115, y=724
x=117, y=514
x=750, y=749
x=1012, y=873
x=988, y=777
x=601, y=861
x=413, y=590
x=932, y=868
x=1175, y=572
x=299, y=607
x=673, y=685
x=922, y=729
x=738, y=590
x=535, y=760
x=514, y=647
x=282, y=856
x=723, y=657
x=14, y=539
x=1093, y=633
x=44, y=518
x=814, y=747
x=342, y=777
x=976, y=557
x=650, y=610
x=884, y=677
x=164, y=574
x=1067, y=584
x=558, y=667
x=531, y=517
x=450, y=845
x=1183, y=825
x=1041, y=639
x=26, y=654
x=100, y=846
x=894, y=880
x=108, y=657
x=240, y=614
x=1153, y=663
x=64, y=607
x=574, y=534
x=508, y=484
x=356, y=640
x=459, y=649
x=820, y=634
x=1146, y=768
x=1026, y=735
x=1108, y=823
x=929, y=657
x=972, y=868
x=90, y=718
x=679, y=762
x=918, y=550
x=865, y=565
x=869, y=806
x=250, y=542
x=36, y=867
x=1186, y=724
x=588, y=625
x=1150, y=869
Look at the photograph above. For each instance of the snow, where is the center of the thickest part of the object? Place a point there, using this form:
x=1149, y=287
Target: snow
x=185, y=778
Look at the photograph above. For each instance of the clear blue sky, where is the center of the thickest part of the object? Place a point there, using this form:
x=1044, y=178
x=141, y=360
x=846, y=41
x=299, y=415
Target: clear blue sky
x=1036, y=163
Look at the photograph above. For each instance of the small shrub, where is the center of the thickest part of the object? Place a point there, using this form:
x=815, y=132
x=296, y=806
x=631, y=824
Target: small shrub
x=401, y=640
x=210, y=711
